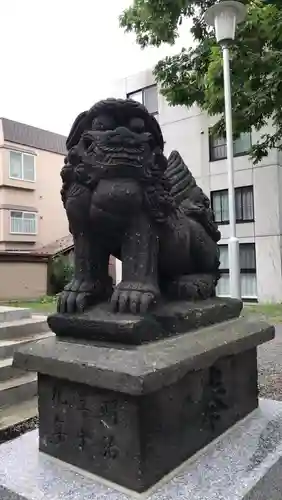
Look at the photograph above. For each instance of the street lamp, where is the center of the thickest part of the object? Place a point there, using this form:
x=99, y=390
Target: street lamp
x=224, y=16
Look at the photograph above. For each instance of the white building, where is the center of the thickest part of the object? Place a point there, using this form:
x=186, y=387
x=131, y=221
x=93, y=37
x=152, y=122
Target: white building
x=258, y=187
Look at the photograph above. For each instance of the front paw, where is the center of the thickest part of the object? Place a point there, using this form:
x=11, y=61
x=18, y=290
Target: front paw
x=134, y=297
x=78, y=295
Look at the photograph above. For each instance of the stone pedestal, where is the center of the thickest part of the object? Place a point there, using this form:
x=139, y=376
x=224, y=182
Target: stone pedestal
x=131, y=414
x=244, y=463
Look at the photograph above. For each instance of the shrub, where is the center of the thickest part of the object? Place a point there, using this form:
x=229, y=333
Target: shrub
x=62, y=271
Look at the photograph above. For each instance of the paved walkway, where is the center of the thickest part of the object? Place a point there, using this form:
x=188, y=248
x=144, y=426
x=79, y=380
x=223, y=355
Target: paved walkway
x=270, y=367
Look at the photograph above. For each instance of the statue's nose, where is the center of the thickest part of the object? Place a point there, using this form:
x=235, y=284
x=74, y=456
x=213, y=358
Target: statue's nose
x=124, y=131
x=122, y=135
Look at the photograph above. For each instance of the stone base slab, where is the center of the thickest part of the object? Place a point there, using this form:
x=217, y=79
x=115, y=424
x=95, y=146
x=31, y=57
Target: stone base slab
x=142, y=369
x=243, y=464
x=166, y=320
x=133, y=414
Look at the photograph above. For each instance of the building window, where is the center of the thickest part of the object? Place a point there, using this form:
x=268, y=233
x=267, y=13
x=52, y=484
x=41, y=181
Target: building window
x=244, y=205
x=23, y=222
x=218, y=147
x=219, y=203
x=148, y=97
x=22, y=166
x=248, y=271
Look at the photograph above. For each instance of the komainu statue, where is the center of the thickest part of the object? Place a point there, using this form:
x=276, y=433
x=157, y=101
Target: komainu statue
x=124, y=198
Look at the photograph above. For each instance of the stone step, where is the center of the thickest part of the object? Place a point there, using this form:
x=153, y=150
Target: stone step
x=18, y=389
x=8, y=347
x=18, y=413
x=7, y=370
x=18, y=419
x=23, y=327
x=14, y=313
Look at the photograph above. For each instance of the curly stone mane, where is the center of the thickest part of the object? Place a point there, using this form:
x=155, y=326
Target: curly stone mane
x=157, y=196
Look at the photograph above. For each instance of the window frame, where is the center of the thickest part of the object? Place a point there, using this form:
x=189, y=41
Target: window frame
x=240, y=190
x=236, y=155
x=143, y=89
x=22, y=218
x=249, y=270
x=212, y=194
x=224, y=270
x=22, y=153
x=252, y=271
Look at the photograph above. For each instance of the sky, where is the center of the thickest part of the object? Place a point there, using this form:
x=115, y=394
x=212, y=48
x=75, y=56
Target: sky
x=58, y=57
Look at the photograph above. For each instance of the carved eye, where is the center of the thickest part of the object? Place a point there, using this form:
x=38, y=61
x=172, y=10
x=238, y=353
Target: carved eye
x=137, y=125
x=103, y=122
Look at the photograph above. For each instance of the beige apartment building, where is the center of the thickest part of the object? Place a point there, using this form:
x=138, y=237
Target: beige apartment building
x=258, y=187
x=31, y=211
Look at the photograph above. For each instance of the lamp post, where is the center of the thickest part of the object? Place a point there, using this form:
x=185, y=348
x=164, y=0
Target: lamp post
x=224, y=16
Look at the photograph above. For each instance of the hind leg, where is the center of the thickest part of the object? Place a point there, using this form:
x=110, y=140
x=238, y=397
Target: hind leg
x=192, y=273
x=191, y=287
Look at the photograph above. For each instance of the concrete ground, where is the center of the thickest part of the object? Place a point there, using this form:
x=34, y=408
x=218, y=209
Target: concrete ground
x=270, y=367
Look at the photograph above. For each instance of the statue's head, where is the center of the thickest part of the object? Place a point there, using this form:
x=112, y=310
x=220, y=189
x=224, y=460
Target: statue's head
x=120, y=137
x=116, y=133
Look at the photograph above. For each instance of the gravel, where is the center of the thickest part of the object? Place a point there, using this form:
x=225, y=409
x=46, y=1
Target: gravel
x=270, y=367
x=16, y=430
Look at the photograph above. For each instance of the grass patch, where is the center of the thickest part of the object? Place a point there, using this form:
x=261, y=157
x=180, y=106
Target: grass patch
x=44, y=304
x=270, y=312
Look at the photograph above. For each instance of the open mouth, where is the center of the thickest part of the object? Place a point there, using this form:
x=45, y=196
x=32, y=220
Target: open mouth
x=107, y=145
x=120, y=160
x=115, y=155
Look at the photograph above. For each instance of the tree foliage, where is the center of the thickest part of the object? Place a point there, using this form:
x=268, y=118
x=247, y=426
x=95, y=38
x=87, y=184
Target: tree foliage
x=195, y=75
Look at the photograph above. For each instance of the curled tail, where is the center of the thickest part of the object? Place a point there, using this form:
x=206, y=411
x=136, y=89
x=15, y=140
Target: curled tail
x=189, y=196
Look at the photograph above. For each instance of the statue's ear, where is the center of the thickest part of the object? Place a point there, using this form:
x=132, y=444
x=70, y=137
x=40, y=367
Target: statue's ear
x=77, y=129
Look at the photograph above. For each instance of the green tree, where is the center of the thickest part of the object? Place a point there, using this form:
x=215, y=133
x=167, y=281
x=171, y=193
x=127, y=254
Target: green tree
x=195, y=75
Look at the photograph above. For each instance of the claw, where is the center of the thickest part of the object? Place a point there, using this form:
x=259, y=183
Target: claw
x=77, y=296
x=81, y=302
x=114, y=300
x=133, y=298
x=134, y=302
x=59, y=303
x=145, y=302
x=122, y=303
x=62, y=303
x=71, y=302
